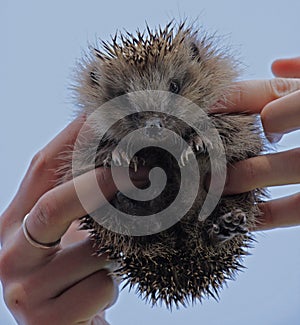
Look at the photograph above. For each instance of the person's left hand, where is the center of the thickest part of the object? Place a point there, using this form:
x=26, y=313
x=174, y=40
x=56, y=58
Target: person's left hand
x=278, y=102
x=63, y=284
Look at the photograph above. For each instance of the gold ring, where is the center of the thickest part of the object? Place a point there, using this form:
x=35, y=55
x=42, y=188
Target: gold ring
x=34, y=242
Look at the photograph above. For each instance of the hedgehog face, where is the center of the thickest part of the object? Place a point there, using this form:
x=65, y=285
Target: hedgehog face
x=154, y=75
x=174, y=62
x=169, y=60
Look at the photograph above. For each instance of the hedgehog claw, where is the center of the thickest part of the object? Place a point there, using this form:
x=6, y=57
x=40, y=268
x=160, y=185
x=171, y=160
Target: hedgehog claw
x=184, y=158
x=134, y=163
x=116, y=158
x=125, y=157
x=198, y=143
x=120, y=158
x=143, y=161
x=181, y=162
x=107, y=161
x=201, y=144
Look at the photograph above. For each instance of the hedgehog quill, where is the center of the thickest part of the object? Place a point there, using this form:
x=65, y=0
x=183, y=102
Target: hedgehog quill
x=193, y=257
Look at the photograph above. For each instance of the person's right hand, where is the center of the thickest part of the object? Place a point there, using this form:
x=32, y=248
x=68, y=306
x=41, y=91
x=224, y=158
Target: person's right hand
x=63, y=285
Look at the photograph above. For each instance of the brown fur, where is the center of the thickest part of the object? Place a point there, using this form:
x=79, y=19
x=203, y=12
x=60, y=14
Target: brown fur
x=184, y=262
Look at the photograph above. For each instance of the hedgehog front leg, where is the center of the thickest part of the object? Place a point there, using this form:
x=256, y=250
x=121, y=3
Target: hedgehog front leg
x=228, y=225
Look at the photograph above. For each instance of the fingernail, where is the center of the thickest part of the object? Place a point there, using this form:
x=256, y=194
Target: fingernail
x=274, y=137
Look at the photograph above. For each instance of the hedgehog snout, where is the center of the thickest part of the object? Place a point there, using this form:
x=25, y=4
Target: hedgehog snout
x=153, y=127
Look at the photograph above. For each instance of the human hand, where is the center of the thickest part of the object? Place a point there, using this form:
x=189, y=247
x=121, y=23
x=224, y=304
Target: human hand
x=64, y=284
x=278, y=102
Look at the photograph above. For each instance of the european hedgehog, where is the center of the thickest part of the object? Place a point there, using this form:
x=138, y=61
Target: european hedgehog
x=195, y=256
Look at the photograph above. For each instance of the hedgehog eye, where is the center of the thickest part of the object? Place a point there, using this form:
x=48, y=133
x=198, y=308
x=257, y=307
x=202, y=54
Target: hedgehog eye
x=174, y=87
x=120, y=93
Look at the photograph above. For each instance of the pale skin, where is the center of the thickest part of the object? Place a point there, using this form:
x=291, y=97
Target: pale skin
x=66, y=285
x=278, y=104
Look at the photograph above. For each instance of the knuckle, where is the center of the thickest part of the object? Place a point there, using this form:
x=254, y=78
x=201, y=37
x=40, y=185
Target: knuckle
x=39, y=161
x=15, y=296
x=280, y=87
x=267, y=217
x=46, y=210
x=251, y=171
x=18, y=298
x=5, y=225
x=238, y=96
x=239, y=93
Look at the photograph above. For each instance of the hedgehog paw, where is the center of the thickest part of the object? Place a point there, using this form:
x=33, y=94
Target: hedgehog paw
x=120, y=158
x=201, y=144
x=116, y=158
x=197, y=145
x=229, y=225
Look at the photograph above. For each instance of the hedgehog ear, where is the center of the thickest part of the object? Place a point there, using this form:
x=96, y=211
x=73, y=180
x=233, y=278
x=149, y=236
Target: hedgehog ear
x=195, y=54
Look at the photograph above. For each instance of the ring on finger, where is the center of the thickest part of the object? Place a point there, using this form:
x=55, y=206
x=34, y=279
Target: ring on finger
x=33, y=241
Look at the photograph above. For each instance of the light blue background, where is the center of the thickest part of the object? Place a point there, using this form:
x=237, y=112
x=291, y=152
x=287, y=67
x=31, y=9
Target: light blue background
x=40, y=42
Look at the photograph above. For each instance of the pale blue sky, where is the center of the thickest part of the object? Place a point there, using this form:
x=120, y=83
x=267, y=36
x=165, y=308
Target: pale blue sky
x=41, y=41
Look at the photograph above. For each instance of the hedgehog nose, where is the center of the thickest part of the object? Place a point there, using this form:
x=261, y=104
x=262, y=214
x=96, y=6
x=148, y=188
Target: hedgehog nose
x=153, y=127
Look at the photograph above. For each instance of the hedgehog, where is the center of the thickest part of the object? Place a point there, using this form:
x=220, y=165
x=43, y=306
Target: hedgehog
x=194, y=257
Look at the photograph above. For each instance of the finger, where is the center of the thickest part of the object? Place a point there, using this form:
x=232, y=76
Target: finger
x=287, y=68
x=41, y=175
x=268, y=170
x=58, y=208
x=284, y=212
x=68, y=267
x=85, y=299
x=282, y=115
x=73, y=235
x=252, y=95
